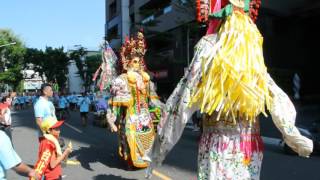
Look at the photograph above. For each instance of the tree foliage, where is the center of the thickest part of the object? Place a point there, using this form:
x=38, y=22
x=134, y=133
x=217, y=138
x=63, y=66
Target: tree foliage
x=52, y=63
x=11, y=58
x=92, y=62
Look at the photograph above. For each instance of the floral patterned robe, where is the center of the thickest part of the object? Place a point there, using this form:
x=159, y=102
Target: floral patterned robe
x=226, y=150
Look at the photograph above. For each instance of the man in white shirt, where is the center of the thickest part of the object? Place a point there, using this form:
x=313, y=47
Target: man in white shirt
x=43, y=107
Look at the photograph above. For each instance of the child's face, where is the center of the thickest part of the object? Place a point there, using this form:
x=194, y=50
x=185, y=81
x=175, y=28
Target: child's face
x=55, y=132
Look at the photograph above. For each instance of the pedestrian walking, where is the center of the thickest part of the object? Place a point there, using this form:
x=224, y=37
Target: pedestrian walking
x=48, y=165
x=73, y=99
x=84, y=103
x=43, y=107
x=5, y=117
x=63, y=107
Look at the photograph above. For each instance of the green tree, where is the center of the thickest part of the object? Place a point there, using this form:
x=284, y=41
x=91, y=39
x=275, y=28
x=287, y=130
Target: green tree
x=11, y=58
x=34, y=59
x=92, y=63
x=52, y=63
x=56, y=66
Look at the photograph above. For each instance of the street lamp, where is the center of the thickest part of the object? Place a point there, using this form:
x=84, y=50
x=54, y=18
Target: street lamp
x=12, y=43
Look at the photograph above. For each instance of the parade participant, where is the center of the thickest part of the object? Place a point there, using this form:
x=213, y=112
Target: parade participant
x=9, y=159
x=22, y=101
x=5, y=116
x=16, y=102
x=50, y=155
x=228, y=82
x=131, y=94
x=73, y=99
x=101, y=104
x=43, y=107
x=63, y=107
x=83, y=103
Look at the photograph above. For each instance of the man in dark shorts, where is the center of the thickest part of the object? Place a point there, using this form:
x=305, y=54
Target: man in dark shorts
x=84, y=103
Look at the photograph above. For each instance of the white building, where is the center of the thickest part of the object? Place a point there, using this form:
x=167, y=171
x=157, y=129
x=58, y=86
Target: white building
x=75, y=83
x=32, y=80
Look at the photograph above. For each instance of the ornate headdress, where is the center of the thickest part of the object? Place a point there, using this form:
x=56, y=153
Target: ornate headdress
x=133, y=47
x=207, y=7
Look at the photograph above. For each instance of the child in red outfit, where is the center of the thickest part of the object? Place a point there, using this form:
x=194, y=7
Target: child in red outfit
x=50, y=155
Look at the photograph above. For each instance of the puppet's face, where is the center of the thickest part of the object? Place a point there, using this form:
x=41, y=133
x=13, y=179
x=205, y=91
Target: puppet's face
x=134, y=64
x=140, y=44
x=140, y=35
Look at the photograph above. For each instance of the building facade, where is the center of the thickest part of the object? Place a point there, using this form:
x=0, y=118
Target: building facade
x=172, y=32
x=75, y=83
x=32, y=81
x=169, y=41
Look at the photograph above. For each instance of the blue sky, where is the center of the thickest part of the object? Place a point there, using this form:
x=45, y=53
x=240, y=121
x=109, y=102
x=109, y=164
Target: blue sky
x=55, y=23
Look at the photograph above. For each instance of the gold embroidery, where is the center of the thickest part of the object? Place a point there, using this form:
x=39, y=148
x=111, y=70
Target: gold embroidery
x=43, y=161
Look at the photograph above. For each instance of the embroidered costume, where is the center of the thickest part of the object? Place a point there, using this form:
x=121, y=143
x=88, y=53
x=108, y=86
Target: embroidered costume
x=132, y=94
x=228, y=82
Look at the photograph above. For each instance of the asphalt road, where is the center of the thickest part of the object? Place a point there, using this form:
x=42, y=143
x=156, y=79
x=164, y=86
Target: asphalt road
x=96, y=150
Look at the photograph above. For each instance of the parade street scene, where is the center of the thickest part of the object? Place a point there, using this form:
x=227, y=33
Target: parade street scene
x=159, y=90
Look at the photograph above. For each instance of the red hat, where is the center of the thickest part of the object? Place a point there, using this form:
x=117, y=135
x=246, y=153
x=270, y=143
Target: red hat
x=57, y=124
x=3, y=106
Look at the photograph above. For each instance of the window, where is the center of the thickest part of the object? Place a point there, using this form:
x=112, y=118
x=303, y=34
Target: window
x=113, y=33
x=132, y=19
x=112, y=9
x=167, y=9
x=183, y=1
x=147, y=19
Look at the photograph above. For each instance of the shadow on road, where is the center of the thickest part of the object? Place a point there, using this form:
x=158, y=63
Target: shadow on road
x=109, y=177
x=186, y=149
x=92, y=154
x=99, y=145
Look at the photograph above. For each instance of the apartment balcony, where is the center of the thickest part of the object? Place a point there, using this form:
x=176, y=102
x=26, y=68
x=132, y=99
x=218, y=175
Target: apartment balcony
x=166, y=18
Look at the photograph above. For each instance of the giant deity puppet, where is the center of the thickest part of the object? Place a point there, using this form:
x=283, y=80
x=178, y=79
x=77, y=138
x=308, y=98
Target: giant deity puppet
x=229, y=83
x=132, y=96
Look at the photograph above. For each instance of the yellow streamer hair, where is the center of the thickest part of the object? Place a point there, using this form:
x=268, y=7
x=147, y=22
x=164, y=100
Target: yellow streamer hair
x=235, y=82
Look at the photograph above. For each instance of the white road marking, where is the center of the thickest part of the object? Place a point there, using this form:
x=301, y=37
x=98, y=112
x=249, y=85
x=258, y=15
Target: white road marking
x=72, y=127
